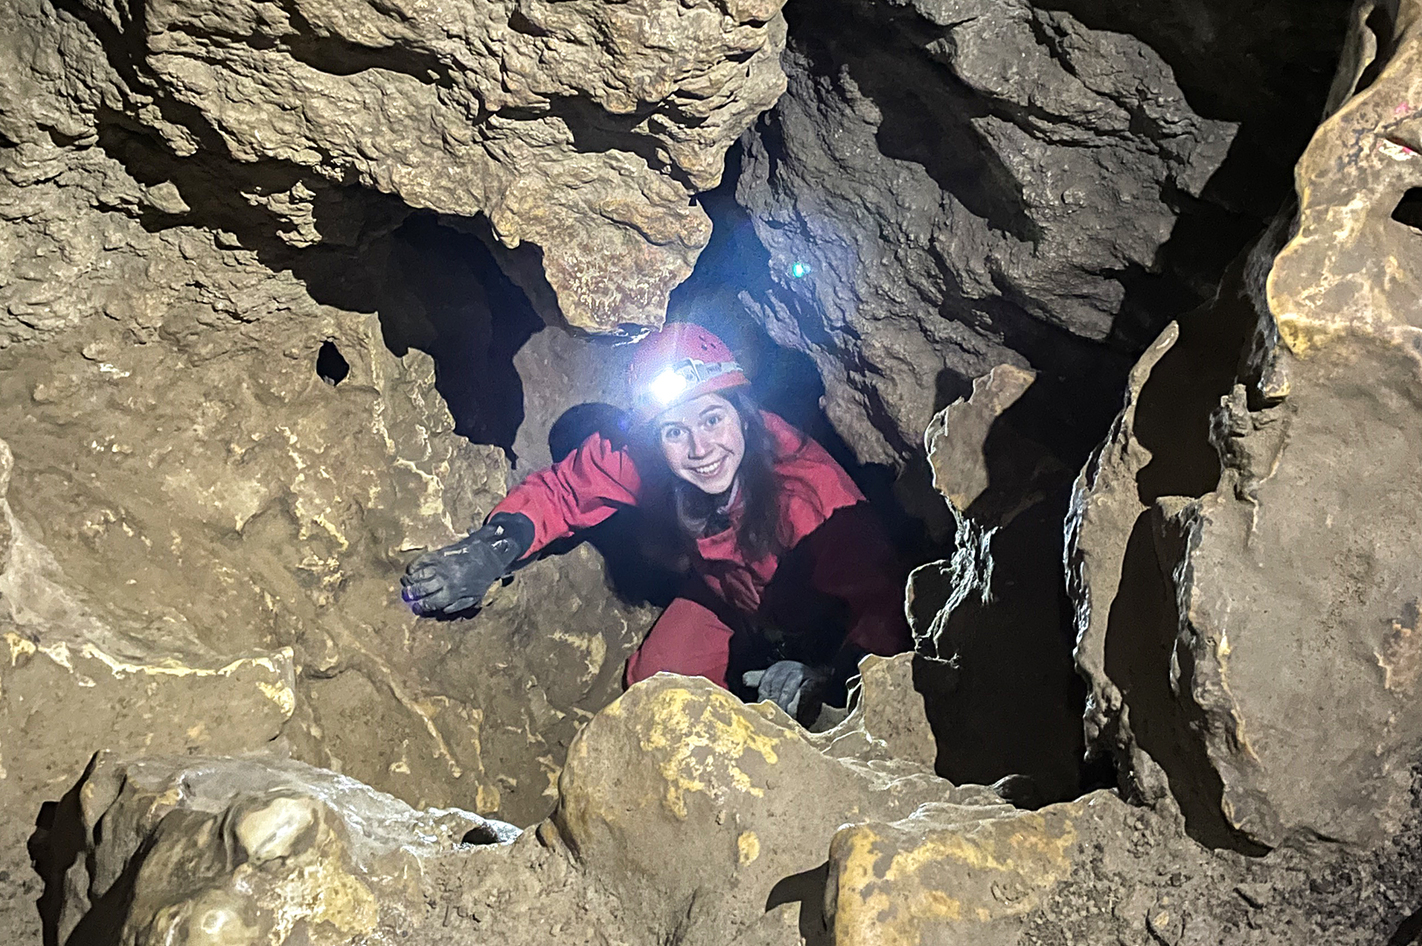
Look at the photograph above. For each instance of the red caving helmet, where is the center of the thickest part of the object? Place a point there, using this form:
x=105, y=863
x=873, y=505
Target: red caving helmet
x=681, y=362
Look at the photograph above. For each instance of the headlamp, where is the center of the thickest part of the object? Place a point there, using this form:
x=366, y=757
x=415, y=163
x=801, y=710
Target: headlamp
x=666, y=386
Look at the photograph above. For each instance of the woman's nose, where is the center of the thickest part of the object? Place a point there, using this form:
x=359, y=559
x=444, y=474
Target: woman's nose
x=700, y=442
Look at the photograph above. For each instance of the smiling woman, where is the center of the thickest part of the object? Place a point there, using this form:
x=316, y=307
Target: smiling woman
x=703, y=442
x=733, y=493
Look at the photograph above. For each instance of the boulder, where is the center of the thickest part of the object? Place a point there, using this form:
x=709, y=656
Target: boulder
x=684, y=816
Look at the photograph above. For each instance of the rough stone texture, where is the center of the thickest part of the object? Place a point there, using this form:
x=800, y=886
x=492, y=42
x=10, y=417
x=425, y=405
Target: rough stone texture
x=187, y=492
x=1260, y=645
x=224, y=851
x=685, y=816
x=558, y=122
x=952, y=174
x=72, y=684
x=886, y=718
x=991, y=611
x=1104, y=512
x=681, y=758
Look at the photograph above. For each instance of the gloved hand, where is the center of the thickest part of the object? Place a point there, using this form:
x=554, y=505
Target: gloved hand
x=791, y=685
x=455, y=577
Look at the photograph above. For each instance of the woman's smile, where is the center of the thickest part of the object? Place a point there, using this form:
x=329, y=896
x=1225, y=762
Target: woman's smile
x=703, y=441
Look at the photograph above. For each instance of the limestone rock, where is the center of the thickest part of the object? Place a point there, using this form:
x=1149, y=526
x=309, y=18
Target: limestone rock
x=558, y=122
x=686, y=816
x=677, y=759
x=947, y=874
x=230, y=852
x=1284, y=568
x=201, y=487
x=886, y=719
x=1104, y=511
x=940, y=192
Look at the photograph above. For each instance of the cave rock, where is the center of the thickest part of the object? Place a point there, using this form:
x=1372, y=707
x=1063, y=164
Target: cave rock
x=577, y=138
x=1263, y=628
x=947, y=196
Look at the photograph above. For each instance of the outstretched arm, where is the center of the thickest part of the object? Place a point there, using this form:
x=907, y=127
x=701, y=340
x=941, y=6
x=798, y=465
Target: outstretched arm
x=575, y=493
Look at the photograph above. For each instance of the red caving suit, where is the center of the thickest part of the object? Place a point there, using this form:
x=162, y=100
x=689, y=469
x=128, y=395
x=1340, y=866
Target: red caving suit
x=858, y=568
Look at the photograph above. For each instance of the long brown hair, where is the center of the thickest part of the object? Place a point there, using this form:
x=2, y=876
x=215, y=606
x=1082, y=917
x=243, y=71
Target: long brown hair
x=679, y=513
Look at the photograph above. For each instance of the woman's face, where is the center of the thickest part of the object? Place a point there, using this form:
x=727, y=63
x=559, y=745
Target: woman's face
x=703, y=441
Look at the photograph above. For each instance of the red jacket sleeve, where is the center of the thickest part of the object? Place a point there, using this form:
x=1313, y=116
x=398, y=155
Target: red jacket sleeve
x=577, y=492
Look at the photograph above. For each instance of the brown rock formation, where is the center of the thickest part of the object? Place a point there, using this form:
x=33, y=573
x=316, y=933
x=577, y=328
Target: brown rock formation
x=1246, y=619
x=684, y=816
x=560, y=123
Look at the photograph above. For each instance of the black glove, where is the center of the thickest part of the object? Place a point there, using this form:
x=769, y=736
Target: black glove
x=455, y=577
x=791, y=685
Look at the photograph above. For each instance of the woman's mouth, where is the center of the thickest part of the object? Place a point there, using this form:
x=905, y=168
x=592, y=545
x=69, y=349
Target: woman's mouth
x=709, y=469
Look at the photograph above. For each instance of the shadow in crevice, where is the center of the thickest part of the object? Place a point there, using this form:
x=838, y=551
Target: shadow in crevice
x=1409, y=931
x=58, y=844
x=444, y=294
x=1409, y=209
x=1139, y=647
x=435, y=287
x=1004, y=698
x=806, y=888
x=1184, y=390
x=928, y=114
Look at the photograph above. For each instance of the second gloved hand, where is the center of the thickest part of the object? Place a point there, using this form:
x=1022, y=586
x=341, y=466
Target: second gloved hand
x=454, y=578
x=789, y=684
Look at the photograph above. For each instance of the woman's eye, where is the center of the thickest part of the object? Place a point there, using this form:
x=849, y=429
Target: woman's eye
x=713, y=419
x=671, y=434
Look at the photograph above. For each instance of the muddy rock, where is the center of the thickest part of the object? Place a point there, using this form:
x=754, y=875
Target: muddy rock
x=73, y=683
x=656, y=835
x=219, y=465
x=679, y=758
x=686, y=816
x=886, y=718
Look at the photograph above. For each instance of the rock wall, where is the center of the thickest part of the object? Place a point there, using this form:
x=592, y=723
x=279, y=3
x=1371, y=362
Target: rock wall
x=252, y=297
x=1247, y=624
x=246, y=303
x=216, y=467
x=575, y=138
x=942, y=191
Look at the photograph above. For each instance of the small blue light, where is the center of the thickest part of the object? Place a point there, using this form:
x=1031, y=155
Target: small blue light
x=799, y=270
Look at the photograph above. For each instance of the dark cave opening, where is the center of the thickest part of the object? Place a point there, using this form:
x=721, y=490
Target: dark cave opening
x=1409, y=209
x=331, y=365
